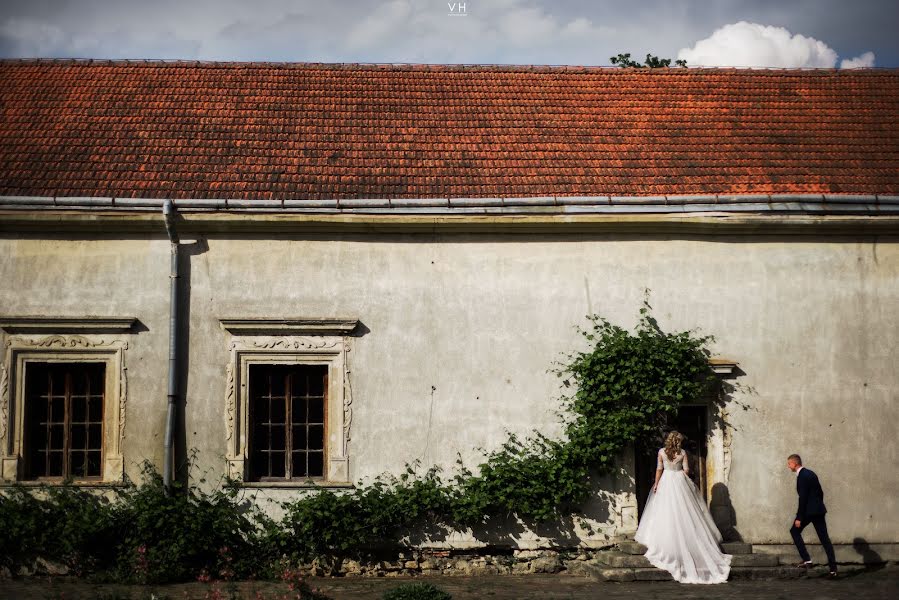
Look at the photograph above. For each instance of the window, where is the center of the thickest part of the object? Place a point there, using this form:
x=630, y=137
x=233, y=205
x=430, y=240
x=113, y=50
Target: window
x=64, y=420
x=288, y=401
x=62, y=407
x=287, y=406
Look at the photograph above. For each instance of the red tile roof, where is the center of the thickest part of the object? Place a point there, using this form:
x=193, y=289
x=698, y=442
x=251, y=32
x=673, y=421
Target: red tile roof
x=276, y=131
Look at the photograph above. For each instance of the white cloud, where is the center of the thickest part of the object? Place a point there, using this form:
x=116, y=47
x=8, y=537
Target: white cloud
x=752, y=45
x=381, y=26
x=866, y=60
x=30, y=36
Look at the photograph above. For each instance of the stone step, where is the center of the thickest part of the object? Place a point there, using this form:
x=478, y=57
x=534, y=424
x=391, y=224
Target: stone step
x=599, y=572
x=754, y=560
x=632, y=547
x=736, y=548
x=652, y=574
x=623, y=575
x=767, y=573
x=620, y=560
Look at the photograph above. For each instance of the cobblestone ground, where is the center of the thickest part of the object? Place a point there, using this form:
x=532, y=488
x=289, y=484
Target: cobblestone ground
x=878, y=585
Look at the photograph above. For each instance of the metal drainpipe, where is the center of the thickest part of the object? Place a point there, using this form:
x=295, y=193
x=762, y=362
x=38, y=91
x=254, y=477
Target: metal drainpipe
x=168, y=212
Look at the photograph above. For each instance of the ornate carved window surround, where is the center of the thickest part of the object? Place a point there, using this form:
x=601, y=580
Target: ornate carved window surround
x=90, y=347
x=308, y=341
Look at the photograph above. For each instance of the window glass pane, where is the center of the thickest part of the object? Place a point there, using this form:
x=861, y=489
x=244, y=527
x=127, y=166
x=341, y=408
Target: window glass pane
x=93, y=464
x=277, y=464
x=278, y=408
x=57, y=439
x=78, y=463
x=298, y=383
x=316, y=437
x=80, y=381
x=95, y=409
x=57, y=410
x=299, y=465
x=316, y=410
x=299, y=437
x=95, y=436
x=261, y=437
x=79, y=409
x=55, y=466
x=258, y=465
x=317, y=381
x=258, y=381
x=78, y=440
x=279, y=437
x=277, y=383
x=298, y=410
x=316, y=464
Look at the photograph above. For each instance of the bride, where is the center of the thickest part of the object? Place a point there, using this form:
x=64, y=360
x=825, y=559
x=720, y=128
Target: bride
x=676, y=526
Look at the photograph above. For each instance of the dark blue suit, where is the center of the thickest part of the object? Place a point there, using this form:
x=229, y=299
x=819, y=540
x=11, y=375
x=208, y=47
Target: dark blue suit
x=811, y=510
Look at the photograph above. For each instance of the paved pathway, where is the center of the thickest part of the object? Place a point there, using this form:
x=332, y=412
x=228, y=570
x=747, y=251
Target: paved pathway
x=878, y=585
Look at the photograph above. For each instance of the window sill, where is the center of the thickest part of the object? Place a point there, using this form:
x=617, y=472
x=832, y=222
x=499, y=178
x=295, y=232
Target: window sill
x=308, y=485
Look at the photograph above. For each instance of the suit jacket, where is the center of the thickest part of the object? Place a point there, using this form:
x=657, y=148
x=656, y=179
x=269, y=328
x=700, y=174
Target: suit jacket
x=811, y=496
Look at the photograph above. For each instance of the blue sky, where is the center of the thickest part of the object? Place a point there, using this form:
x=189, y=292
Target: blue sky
x=760, y=33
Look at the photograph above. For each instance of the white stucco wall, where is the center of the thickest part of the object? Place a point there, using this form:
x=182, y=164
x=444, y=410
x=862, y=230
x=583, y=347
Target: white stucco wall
x=463, y=328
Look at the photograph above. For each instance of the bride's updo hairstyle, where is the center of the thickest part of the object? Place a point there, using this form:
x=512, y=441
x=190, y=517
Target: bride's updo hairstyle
x=673, y=443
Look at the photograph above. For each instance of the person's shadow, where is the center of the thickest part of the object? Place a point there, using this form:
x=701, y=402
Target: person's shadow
x=871, y=560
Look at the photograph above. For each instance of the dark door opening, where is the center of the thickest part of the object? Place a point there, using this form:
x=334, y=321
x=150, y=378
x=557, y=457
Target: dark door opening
x=692, y=421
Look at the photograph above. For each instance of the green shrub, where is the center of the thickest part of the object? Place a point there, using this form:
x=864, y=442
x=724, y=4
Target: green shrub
x=63, y=524
x=416, y=591
x=188, y=534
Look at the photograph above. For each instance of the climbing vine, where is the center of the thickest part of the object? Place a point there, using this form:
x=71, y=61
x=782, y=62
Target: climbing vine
x=616, y=392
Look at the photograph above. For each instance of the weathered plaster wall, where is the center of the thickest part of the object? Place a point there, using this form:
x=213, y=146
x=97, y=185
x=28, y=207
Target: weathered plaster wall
x=462, y=330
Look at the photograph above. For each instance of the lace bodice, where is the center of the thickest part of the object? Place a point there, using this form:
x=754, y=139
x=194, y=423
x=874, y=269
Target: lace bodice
x=680, y=462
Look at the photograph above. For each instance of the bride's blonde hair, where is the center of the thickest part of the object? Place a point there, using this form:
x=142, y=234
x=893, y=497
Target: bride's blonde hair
x=673, y=443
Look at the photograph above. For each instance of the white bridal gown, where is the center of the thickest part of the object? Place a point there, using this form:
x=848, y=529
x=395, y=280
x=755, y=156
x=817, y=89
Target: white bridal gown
x=678, y=530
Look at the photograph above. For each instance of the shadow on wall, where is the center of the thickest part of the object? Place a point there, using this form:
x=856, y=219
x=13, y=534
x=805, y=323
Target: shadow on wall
x=722, y=401
x=181, y=453
x=507, y=531
x=723, y=513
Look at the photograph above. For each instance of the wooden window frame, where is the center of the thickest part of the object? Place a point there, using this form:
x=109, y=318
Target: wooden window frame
x=30, y=447
x=289, y=425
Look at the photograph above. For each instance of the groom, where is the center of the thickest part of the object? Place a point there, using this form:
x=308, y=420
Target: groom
x=811, y=510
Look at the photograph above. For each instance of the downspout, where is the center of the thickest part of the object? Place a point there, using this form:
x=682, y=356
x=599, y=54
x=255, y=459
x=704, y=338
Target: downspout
x=168, y=212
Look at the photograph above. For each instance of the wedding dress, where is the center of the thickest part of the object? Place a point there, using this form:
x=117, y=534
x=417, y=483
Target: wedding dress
x=678, y=530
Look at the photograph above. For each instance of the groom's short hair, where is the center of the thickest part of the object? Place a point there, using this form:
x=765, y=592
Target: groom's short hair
x=796, y=458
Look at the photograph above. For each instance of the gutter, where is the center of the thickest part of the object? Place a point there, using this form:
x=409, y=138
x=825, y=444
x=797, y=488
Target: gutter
x=809, y=204
x=757, y=214
x=168, y=212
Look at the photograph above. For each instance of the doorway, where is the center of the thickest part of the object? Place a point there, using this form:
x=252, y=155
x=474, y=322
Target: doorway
x=692, y=421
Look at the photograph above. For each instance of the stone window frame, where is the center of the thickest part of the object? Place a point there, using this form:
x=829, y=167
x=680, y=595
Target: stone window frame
x=323, y=342
x=62, y=349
